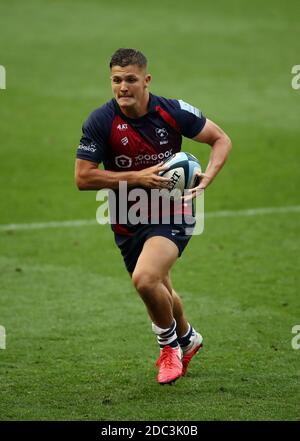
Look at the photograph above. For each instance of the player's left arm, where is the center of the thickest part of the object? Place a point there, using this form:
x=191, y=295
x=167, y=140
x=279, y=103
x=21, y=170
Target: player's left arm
x=220, y=147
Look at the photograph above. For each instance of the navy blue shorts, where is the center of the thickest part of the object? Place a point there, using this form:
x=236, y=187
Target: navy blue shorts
x=131, y=246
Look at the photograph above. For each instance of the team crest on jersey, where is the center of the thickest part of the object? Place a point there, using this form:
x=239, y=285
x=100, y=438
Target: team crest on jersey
x=161, y=133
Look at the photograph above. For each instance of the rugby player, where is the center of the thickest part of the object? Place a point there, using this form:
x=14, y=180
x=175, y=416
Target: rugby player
x=131, y=135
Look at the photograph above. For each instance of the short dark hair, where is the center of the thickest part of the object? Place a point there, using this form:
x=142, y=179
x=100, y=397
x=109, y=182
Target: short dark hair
x=125, y=57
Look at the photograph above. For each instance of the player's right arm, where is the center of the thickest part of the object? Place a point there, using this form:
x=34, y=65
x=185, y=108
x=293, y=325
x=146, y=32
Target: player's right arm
x=89, y=177
x=94, y=149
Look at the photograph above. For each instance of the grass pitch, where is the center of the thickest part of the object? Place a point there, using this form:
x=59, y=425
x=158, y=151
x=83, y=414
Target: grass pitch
x=79, y=343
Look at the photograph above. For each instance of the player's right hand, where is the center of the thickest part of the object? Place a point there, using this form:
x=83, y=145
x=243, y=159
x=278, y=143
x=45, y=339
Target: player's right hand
x=149, y=177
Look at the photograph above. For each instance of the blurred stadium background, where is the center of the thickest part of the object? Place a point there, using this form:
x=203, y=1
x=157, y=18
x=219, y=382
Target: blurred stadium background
x=79, y=343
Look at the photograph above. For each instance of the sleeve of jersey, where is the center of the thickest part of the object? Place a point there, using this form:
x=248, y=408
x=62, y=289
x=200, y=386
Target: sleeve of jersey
x=93, y=144
x=190, y=119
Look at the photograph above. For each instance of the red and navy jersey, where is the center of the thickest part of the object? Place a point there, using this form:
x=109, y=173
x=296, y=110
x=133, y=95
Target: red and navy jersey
x=125, y=144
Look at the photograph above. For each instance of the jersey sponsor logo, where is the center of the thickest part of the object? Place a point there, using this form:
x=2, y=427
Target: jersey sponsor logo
x=124, y=140
x=88, y=148
x=146, y=159
x=122, y=126
x=123, y=161
x=189, y=108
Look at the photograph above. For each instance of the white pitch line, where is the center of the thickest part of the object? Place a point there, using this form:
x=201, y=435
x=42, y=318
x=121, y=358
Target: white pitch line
x=254, y=211
x=210, y=214
x=52, y=224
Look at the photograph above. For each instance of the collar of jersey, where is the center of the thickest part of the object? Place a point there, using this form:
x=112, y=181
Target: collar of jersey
x=151, y=108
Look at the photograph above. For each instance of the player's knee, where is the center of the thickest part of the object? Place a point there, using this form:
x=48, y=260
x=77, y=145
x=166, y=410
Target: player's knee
x=145, y=282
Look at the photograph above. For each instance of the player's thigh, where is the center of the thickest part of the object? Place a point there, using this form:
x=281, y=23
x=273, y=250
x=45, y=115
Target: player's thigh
x=157, y=257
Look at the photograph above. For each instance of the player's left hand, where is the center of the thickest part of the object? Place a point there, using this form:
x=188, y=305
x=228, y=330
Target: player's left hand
x=194, y=192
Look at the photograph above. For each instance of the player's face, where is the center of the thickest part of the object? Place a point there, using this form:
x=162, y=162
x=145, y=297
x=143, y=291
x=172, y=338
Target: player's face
x=129, y=85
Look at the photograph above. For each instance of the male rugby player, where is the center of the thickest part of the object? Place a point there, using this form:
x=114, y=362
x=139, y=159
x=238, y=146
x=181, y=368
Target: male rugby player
x=130, y=135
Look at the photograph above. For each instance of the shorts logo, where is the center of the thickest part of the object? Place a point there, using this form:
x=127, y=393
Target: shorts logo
x=123, y=161
x=124, y=140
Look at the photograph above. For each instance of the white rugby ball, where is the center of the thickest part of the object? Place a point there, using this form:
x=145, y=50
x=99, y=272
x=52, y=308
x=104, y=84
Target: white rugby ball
x=182, y=171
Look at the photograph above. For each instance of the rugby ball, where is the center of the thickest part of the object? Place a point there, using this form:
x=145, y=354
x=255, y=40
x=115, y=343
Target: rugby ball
x=182, y=171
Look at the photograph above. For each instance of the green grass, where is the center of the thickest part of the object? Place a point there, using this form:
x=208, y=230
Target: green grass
x=79, y=343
